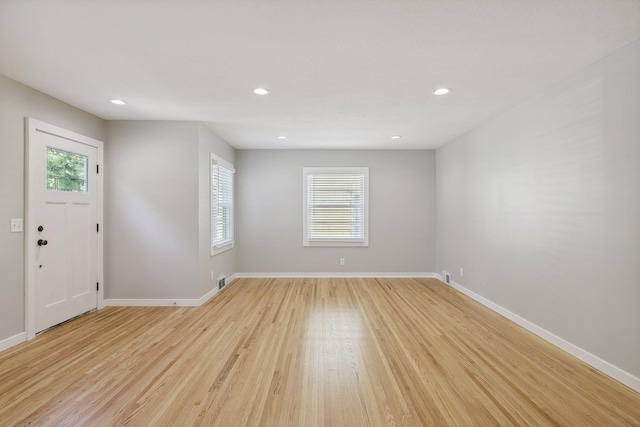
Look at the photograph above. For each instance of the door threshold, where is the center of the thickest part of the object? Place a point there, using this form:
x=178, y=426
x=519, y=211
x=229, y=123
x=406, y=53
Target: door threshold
x=66, y=321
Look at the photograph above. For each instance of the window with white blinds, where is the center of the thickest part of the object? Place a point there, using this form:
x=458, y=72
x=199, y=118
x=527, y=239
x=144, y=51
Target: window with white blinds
x=335, y=211
x=221, y=205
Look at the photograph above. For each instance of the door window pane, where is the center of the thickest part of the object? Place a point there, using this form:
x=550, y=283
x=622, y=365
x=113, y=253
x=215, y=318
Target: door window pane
x=66, y=171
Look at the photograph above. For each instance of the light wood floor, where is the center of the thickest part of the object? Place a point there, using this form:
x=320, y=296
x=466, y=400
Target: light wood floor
x=306, y=352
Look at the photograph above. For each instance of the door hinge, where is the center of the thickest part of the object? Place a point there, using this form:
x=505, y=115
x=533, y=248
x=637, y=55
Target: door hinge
x=97, y=168
x=97, y=286
x=97, y=228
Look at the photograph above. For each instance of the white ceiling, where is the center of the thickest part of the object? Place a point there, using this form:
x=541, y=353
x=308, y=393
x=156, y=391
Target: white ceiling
x=342, y=73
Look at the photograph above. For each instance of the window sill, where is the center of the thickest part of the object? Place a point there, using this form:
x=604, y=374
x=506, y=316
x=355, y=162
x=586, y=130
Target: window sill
x=218, y=250
x=335, y=244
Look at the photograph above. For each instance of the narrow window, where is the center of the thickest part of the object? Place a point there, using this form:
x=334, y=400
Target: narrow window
x=335, y=211
x=221, y=205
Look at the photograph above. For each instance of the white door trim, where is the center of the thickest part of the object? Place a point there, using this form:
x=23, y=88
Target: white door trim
x=33, y=126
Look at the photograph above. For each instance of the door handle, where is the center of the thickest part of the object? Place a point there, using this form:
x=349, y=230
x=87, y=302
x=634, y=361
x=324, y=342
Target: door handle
x=42, y=242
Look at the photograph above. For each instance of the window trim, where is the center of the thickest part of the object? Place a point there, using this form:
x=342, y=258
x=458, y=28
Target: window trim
x=306, y=242
x=217, y=161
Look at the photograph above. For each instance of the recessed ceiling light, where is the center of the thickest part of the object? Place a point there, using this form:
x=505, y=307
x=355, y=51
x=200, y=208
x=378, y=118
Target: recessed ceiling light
x=282, y=137
x=260, y=91
x=118, y=101
x=441, y=91
x=396, y=137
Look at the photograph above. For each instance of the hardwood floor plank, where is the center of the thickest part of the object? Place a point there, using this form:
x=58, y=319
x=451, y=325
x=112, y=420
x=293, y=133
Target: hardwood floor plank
x=306, y=352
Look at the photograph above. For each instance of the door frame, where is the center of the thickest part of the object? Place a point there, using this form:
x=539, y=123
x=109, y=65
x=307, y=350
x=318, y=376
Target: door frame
x=32, y=127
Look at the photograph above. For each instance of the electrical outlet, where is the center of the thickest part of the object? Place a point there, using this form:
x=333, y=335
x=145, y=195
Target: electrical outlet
x=211, y=275
x=16, y=225
x=461, y=272
x=341, y=261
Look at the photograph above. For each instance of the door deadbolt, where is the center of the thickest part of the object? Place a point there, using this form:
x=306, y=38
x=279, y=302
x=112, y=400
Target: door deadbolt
x=42, y=242
x=40, y=228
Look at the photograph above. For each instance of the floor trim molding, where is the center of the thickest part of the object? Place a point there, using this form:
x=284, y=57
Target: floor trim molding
x=601, y=365
x=151, y=302
x=166, y=302
x=334, y=274
x=12, y=341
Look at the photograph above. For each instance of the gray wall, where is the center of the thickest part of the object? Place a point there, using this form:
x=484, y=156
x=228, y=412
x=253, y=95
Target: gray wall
x=541, y=208
x=157, y=214
x=17, y=102
x=223, y=263
x=269, y=212
x=151, y=208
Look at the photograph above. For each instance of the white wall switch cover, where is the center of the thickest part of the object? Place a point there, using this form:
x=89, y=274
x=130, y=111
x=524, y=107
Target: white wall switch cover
x=16, y=225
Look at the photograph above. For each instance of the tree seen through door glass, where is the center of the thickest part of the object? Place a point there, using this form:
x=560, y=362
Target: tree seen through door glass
x=66, y=171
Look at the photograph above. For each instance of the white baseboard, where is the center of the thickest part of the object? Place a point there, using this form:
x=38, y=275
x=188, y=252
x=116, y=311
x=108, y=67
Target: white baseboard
x=334, y=274
x=206, y=297
x=152, y=302
x=11, y=341
x=594, y=361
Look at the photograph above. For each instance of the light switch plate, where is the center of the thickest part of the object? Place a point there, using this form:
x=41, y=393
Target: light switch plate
x=16, y=225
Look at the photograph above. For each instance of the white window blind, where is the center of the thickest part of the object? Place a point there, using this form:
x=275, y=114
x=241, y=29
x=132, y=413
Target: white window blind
x=336, y=206
x=221, y=205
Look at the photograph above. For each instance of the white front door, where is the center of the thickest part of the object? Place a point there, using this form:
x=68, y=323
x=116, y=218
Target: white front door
x=63, y=246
